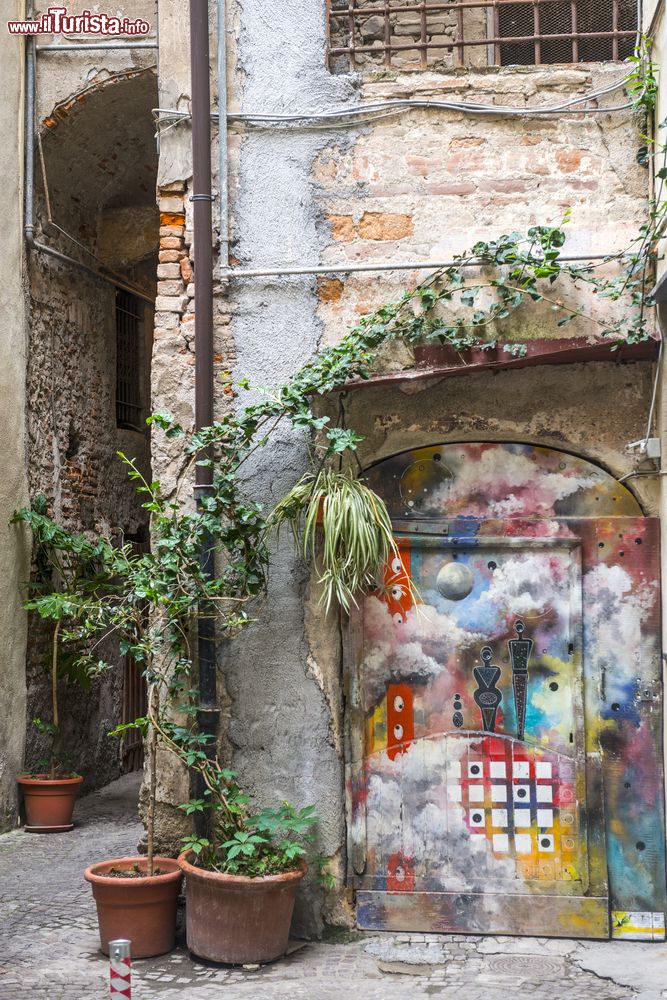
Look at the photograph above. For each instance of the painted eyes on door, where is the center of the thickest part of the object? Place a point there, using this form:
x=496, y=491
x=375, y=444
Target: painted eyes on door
x=398, y=732
x=397, y=593
x=399, y=704
x=396, y=565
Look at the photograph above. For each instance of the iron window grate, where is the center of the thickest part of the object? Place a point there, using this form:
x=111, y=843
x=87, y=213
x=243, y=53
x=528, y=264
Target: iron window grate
x=450, y=33
x=128, y=360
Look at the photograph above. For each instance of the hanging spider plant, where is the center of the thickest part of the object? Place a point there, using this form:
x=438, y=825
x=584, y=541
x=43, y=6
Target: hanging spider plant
x=355, y=541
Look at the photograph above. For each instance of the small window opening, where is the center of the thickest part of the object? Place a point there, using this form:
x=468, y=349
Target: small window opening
x=447, y=33
x=129, y=329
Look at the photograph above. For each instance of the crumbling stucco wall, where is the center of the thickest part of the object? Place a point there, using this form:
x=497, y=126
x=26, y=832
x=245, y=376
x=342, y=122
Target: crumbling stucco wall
x=14, y=544
x=281, y=726
x=63, y=75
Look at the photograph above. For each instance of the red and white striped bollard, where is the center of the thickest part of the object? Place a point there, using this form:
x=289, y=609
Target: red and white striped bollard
x=120, y=969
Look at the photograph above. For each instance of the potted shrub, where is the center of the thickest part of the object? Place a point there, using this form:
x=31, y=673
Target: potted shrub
x=241, y=880
x=248, y=866
x=100, y=591
x=49, y=793
x=137, y=897
x=149, y=602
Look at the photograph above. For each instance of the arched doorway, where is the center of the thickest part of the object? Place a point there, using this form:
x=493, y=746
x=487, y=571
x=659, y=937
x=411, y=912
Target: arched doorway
x=505, y=750
x=89, y=370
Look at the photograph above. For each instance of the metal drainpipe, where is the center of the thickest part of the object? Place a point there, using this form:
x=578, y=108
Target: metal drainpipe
x=208, y=713
x=223, y=182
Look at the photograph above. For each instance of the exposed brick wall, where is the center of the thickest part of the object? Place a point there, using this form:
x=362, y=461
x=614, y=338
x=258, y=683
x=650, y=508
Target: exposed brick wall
x=429, y=184
x=173, y=351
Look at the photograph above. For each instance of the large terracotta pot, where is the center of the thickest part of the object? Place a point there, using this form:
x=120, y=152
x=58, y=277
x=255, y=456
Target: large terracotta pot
x=140, y=909
x=49, y=802
x=237, y=920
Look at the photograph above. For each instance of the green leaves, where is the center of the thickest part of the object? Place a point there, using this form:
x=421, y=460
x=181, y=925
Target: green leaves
x=101, y=591
x=343, y=526
x=196, y=844
x=243, y=843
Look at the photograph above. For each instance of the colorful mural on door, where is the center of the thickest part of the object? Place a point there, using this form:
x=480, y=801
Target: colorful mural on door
x=505, y=731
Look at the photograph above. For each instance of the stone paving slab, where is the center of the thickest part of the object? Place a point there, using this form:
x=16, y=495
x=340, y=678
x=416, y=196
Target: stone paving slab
x=49, y=943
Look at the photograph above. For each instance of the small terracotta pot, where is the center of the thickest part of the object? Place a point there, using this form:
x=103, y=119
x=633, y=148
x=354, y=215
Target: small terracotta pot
x=237, y=920
x=49, y=802
x=140, y=909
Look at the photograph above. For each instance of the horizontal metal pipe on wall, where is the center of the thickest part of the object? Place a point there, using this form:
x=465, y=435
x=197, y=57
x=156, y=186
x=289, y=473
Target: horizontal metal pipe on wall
x=73, y=46
x=413, y=265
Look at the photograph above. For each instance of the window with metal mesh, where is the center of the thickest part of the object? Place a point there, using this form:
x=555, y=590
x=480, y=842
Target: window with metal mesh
x=128, y=360
x=426, y=33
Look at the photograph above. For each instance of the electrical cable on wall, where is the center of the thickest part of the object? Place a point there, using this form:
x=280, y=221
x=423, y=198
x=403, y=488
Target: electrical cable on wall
x=346, y=117
x=353, y=117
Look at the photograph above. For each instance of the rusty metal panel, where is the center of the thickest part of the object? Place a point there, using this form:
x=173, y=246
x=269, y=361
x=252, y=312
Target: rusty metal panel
x=448, y=913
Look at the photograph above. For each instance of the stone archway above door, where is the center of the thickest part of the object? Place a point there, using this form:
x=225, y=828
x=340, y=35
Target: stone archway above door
x=513, y=650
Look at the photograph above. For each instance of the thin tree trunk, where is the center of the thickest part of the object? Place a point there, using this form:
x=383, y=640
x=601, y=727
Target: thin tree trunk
x=150, y=819
x=55, y=742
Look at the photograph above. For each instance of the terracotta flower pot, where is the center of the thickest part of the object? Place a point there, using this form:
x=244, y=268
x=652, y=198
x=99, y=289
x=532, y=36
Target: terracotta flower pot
x=49, y=802
x=237, y=920
x=140, y=909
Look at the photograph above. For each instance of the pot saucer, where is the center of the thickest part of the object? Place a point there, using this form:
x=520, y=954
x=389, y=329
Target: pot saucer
x=49, y=829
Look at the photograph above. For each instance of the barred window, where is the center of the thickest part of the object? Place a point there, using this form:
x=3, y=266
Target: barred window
x=364, y=34
x=129, y=356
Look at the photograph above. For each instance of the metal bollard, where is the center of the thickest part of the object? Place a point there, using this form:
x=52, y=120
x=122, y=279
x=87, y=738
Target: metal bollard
x=120, y=969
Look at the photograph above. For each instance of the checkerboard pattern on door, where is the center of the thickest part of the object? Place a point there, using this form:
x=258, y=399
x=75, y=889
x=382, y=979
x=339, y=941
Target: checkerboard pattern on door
x=520, y=802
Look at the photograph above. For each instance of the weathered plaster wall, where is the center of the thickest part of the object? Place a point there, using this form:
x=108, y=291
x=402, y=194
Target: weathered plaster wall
x=61, y=75
x=14, y=544
x=428, y=184
x=278, y=725
x=281, y=726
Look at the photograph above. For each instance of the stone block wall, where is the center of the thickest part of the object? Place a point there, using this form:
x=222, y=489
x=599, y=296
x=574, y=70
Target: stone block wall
x=99, y=170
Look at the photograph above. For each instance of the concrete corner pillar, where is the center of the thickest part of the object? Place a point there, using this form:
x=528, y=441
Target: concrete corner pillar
x=14, y=541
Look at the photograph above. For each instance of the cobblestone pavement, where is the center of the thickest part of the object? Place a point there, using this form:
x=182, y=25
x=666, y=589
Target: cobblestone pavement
x=49, y=943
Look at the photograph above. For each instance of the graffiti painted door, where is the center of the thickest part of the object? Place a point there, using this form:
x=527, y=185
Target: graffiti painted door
x=481, y=797
x=473, y=758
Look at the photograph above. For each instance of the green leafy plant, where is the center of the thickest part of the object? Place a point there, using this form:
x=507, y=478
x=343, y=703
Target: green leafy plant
x=270, y=843
x=65, y=569
x=356, y=534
